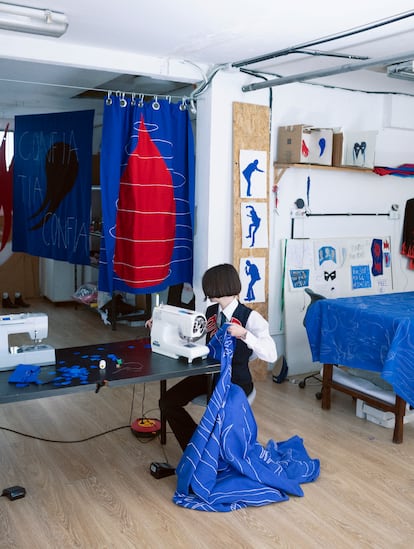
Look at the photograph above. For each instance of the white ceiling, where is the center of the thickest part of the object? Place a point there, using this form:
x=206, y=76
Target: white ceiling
x=170, y=47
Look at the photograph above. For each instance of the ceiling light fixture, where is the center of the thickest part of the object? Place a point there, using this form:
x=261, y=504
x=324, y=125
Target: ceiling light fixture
x=405, y=71
x=32, y=20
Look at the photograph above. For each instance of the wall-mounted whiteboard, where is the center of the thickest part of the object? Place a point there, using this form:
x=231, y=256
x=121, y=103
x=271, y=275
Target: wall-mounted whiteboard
x=332, y=267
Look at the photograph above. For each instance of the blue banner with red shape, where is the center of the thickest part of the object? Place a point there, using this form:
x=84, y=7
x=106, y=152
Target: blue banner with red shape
x=147, y=185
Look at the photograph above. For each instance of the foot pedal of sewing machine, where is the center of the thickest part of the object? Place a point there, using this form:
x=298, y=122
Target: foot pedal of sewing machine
x=161, y=470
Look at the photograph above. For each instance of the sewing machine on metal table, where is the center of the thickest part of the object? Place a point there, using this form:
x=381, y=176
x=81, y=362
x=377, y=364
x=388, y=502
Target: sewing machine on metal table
x=34, y=324
x=175, y=332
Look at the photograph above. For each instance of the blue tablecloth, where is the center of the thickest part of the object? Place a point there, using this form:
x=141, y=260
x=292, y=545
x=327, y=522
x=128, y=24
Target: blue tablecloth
x=374, y=332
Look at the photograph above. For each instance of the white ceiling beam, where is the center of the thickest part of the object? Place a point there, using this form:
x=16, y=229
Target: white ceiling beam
x=44, y=50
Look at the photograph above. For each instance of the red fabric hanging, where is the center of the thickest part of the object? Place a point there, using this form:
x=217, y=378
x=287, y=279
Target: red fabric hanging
x=6, y=192
x=407, y=247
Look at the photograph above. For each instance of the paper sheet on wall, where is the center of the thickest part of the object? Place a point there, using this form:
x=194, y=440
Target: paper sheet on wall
x=340, y=267
x=332, y=267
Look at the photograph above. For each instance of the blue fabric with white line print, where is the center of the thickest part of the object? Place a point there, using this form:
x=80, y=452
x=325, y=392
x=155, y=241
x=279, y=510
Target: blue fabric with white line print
x=224, y=467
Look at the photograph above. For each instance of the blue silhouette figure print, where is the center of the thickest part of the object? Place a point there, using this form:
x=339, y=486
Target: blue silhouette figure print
x=247, y=174
x=252, y=271
x=254, y=223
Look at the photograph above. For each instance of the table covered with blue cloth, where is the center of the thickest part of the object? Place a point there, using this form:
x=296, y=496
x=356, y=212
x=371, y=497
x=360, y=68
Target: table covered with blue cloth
x=374, y=332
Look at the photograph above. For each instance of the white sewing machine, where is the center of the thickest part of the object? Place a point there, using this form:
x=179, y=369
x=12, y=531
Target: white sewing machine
x=36, y=325
x=174, y=331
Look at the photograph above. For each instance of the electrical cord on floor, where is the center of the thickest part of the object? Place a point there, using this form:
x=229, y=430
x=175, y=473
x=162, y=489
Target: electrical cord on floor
x=44, y=439
x=64, y=441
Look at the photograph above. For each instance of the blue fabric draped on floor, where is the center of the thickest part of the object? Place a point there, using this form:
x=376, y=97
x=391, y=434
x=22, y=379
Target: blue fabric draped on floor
x=223, y=467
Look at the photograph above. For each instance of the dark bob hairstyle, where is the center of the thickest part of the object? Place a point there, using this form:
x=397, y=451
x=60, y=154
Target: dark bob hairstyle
x=221, y=280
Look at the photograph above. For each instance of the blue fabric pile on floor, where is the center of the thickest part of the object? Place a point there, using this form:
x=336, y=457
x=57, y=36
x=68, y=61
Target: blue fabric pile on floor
x=224, y=468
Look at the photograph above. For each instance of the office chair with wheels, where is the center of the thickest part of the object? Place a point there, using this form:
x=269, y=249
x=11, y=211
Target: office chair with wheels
x=313, y=298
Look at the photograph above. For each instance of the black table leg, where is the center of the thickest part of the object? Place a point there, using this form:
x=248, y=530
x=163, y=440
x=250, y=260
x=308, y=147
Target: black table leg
x=163, y=389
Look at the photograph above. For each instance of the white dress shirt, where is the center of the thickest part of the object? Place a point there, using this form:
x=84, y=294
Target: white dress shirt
x=258, y=337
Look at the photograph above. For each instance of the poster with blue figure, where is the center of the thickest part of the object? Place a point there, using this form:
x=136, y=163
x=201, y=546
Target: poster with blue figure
x=253, y=174
x=254, y=224
x=253, y=277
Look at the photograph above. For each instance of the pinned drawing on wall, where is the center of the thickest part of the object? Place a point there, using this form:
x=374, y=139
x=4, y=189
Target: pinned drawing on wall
x=253, y=174
x=254, y=224
x=299, y=278
x=253, y=277
x=340, y=267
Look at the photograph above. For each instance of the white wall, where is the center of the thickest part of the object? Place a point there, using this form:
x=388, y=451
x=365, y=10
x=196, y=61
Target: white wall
x=214, y=173
x=331, y=191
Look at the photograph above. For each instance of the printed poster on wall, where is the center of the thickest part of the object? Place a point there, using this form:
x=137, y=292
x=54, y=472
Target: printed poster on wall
x=254, y=224
x=253, y=277
x=253, y=174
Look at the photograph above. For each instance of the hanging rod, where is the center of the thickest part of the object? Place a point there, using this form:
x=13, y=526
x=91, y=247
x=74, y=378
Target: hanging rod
x=106, y=91
x=343, y=214
x=331, y=71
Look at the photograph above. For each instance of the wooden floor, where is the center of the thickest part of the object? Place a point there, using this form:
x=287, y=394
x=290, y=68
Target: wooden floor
x=100, y=494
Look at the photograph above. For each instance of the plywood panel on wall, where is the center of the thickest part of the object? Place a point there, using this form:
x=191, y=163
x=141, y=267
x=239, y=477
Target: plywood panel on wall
x=251, y=131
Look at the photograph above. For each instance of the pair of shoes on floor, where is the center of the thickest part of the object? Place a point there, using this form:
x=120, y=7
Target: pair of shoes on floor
x=7, y=303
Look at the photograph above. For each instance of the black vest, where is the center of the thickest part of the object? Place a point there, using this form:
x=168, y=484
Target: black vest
x=240, y=364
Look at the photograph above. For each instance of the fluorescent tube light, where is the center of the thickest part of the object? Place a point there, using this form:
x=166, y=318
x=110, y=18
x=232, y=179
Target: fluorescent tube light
x=401, y=70
x=32, y=20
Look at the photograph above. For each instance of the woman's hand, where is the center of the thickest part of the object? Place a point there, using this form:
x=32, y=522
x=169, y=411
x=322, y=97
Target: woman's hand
x=238, y=331
x=148, y=324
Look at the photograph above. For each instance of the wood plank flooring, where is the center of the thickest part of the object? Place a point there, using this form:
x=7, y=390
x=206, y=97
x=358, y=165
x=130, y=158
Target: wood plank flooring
x=100, y=494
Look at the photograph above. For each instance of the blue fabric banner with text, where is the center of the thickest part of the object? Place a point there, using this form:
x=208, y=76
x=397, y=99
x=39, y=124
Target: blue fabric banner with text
x=52, y=185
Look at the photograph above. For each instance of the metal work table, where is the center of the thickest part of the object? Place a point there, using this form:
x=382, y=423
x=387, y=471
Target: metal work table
x=127, y=362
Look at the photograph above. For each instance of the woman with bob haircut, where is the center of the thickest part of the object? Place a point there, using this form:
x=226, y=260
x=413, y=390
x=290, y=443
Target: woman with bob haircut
x=221, y=286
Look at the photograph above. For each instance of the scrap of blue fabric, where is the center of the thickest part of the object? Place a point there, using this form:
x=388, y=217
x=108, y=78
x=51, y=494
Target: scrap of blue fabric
x=224, y=467
x=25, y=374
x=70, y=373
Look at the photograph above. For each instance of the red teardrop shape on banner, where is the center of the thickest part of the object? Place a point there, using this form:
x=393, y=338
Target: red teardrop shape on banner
x=145, y=222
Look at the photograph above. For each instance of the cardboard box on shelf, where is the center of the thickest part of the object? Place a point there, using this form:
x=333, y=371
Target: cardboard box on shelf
x=302, y=144
x=359, y=149
x=337, y=148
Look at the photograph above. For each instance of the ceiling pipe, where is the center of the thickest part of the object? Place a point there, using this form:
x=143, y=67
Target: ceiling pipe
x=328, y=72
x=332, y=38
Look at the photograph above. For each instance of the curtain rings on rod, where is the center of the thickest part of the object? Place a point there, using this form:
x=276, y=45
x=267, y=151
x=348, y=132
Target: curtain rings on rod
x=122, y=102
x=186, y=103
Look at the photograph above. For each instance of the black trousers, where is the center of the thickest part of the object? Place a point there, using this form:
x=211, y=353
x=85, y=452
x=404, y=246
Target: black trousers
x=177, y=397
